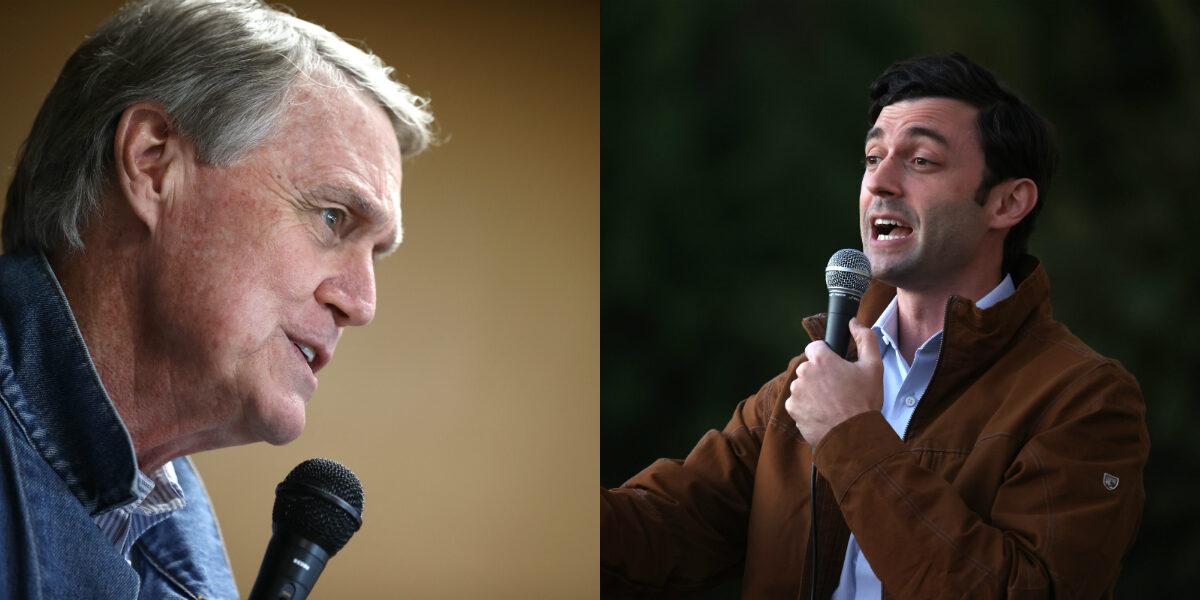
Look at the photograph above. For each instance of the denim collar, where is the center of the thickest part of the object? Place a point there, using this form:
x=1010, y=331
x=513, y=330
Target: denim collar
x=79, y=433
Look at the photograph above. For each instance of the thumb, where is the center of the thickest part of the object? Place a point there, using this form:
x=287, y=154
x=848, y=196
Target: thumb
x=867, y=342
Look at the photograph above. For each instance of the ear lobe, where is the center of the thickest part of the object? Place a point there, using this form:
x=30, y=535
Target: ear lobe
x=144, y=146
x=1018, y=197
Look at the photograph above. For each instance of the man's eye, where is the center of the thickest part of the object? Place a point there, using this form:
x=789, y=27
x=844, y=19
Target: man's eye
x=333, y=217
x=871, y=160
x=921, y=161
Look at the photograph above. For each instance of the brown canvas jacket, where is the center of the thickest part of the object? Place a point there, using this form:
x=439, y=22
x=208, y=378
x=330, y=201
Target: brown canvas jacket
x=1020, y=476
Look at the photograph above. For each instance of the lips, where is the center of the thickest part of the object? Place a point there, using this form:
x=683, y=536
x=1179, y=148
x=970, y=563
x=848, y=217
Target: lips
x=314, y=354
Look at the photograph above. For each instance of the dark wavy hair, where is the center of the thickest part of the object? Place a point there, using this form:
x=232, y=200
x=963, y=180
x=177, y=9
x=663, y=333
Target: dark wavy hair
x=1017, y=142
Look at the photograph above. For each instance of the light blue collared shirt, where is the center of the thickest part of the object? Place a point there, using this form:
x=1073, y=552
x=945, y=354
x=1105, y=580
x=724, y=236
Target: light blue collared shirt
x=903, y=387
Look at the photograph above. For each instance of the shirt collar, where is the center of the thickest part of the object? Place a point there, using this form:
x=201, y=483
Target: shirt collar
x=159, y=491
x=157, y=495
x=885, y=326
x=998, y=293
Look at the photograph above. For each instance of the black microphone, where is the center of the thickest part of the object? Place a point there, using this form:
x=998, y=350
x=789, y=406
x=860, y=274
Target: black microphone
x=318, y=506
x=846, y=277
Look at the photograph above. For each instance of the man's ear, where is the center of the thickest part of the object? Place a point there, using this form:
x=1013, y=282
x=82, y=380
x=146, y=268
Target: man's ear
x=1011, y=201
x=145, y=147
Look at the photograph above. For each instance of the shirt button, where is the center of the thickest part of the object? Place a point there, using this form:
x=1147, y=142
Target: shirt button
x=909, y=401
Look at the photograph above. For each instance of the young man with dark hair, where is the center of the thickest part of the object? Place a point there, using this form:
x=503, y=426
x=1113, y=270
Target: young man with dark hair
x=970, y=445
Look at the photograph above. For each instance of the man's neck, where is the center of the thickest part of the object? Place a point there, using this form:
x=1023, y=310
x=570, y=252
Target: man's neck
x=102, y=288
x=921, y=312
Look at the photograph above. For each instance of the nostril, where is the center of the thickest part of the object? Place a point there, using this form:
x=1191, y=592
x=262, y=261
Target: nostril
x=338, y=314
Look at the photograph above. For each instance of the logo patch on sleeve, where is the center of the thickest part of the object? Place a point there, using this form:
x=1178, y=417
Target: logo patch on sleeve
x=1110, y=481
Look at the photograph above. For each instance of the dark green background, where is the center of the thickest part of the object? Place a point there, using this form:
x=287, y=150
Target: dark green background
x=731, y=145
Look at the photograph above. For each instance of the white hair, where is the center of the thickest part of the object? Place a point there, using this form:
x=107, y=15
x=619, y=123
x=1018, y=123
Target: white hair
x=220, y=68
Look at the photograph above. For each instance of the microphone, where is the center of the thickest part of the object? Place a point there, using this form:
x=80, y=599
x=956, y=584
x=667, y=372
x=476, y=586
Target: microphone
x=846, y=276
x=318, y=506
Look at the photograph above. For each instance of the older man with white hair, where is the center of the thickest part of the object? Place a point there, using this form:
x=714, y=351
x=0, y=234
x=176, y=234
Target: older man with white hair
x=192, y=223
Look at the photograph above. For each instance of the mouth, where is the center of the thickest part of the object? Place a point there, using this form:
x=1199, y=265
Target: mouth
x=309, y=354
x=314, y=356
x=886, y=229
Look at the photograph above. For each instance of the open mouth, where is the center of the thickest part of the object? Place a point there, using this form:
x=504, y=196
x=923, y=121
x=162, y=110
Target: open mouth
x=307, y=351
x=890, y=229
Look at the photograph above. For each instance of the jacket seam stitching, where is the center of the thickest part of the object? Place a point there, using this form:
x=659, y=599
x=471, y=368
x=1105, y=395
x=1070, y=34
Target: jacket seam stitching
x=1047, y=500
x=12, y=411
x=162, y=571
x=21, y=499
x=974, y=586
x=962, y=451
x=795, y=435
x=1002, y=434
x=1067, y=393
x=1060, y=342
x=871, y=467
x=929, y=524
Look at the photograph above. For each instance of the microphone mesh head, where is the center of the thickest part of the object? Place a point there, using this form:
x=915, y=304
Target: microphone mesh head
x=848, y=272
x=314, y=517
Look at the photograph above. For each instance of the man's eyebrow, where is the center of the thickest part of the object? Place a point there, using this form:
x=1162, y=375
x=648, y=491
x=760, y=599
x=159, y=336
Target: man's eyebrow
x=914, y=131
x=361, y=206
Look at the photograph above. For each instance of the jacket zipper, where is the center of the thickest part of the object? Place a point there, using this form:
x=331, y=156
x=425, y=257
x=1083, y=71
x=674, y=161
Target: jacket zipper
x=812, y=588
x=936, y=363
x=812, y=513
x=812, y=506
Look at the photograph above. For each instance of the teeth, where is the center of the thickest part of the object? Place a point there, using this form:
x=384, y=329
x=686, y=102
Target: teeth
x=891, y=225
x=309, y=353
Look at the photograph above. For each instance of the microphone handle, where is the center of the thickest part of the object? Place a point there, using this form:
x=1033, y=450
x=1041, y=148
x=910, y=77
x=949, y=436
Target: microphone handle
x=290, y=568
x=842, y=308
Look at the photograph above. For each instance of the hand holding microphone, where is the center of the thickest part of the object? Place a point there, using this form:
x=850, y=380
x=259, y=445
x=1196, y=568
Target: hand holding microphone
x=828, y=389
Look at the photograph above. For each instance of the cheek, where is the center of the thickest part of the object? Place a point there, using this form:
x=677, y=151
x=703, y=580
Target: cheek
x=222, y=287
x=958, y=223
x=864, y=196
x=218, y=312
x=966, y=182
x=864, y=204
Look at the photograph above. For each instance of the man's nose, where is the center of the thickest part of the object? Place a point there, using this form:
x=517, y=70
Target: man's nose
x=885, y=179
x=350, y=293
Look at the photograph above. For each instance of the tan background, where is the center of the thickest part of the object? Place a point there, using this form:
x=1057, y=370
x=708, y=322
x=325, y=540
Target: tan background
x=470, y=407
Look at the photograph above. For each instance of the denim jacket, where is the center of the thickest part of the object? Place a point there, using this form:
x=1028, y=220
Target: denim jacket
x=65, y=457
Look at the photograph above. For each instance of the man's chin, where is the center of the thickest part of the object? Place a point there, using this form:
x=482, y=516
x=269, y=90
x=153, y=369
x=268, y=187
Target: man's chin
x=283, y=424
x=894, y=270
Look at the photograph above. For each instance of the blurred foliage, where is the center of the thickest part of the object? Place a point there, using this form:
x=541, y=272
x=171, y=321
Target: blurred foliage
x=731, y=157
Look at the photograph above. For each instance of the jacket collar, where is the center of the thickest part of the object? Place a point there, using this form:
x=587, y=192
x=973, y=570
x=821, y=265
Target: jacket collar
x=51, y=385
x=971, y=337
